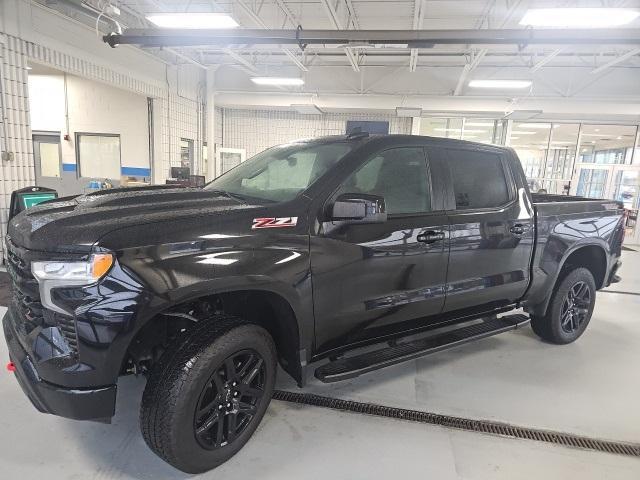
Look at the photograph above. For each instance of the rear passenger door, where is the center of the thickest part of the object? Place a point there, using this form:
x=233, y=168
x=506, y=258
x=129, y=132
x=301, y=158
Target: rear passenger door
x=491, y=229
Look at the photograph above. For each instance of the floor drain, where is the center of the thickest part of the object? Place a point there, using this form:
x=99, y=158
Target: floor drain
x=483, y=426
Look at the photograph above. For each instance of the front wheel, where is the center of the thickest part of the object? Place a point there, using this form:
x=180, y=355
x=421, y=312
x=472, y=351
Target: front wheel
x=208, y=393
x=570, y=309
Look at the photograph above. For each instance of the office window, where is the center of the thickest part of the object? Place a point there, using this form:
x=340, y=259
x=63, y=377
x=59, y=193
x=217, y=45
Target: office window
x=399, y=175
x=98, y=155
x=606, y=144
x=473, y=129
x=478, y=179
x=49, y=159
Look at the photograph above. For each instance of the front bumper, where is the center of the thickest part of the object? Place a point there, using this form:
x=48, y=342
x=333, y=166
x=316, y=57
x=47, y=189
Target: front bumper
x=77, y=403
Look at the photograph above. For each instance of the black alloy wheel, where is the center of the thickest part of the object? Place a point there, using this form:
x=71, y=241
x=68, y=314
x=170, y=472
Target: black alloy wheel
x=230, y=399
x=569, y=311
x=575, y=307
x=208, y=393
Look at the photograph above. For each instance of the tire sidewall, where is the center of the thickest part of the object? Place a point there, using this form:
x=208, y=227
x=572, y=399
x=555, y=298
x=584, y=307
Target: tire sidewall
x=192, y=383
x=575, y=276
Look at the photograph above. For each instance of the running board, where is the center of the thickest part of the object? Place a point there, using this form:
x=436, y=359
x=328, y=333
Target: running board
x=351, y=367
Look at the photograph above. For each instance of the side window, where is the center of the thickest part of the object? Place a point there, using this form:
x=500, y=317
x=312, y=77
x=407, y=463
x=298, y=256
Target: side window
x=399, y=175
x=478, y=179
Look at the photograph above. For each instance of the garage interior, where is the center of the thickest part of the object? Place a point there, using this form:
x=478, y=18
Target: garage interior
x=179, y=106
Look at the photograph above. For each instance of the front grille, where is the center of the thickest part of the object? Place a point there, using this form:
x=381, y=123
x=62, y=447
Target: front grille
x=19, y=266
x=67, y=326
x=27, y=300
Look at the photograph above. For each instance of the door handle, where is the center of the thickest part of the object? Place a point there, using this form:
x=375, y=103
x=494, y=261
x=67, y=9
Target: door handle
x=430, y=236
x=518, y=229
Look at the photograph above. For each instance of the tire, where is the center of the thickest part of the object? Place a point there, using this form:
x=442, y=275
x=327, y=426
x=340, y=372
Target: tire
x=191, y=404
x=569, y=310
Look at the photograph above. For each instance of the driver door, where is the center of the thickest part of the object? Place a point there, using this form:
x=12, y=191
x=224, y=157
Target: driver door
x=370, y=280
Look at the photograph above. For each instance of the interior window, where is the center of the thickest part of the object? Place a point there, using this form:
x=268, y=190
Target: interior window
x=399, y=175
x=478, y=179
x=99, y=155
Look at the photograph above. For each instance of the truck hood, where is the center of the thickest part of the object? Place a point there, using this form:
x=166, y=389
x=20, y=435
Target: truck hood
x=75, y=224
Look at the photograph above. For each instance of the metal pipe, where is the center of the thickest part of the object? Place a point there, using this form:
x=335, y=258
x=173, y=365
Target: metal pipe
x=156, y=37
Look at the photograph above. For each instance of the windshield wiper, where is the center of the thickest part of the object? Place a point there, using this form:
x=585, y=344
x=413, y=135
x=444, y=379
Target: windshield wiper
x=233, y=196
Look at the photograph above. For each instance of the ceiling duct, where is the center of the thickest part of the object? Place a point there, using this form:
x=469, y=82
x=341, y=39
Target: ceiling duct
x=169, y=37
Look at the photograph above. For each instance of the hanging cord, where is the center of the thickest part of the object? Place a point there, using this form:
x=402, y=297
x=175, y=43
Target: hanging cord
x=300, y=44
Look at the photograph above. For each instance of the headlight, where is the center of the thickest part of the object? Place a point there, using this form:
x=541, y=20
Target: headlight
x=65, y=274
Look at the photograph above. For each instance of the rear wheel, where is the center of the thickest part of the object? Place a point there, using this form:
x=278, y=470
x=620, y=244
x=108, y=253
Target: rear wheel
x=208, y=393
x=570, y=309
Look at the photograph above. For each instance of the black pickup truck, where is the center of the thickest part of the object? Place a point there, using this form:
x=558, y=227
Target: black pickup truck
x=309, y=251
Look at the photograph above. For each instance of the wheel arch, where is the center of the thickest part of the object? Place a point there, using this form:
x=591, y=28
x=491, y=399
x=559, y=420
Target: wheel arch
x=262, y=305
x=591, y=255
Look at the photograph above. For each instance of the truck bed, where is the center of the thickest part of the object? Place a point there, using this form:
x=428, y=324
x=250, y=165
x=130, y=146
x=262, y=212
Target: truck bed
x=549, y=204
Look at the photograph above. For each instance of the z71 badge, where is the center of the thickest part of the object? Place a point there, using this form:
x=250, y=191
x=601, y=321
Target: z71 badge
x=274, y=222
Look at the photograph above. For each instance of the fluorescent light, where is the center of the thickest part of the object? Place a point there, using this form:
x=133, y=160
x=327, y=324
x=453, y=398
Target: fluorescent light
x=579, y=17
x=408, y=111
x=478, y=124
x=306, y=109
x=458, y=130
x=523, y=133
x=277, y=81
x=192, y=20
x=540, y=126
x=500, y=83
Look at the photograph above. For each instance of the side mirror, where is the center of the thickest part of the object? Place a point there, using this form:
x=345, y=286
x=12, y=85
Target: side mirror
x=359, y=208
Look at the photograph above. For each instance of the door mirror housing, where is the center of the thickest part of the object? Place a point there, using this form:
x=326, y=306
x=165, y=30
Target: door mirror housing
x=359, y=208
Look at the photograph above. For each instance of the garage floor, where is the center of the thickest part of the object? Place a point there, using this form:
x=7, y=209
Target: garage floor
x=591, y=388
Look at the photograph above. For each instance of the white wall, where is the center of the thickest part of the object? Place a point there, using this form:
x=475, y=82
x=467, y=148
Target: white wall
x=98, y=108
x=256, y=130
x=46, y=102
x=93, y=108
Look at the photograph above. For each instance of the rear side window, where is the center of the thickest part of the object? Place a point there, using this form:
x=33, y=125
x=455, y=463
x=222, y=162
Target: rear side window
x=478, y=179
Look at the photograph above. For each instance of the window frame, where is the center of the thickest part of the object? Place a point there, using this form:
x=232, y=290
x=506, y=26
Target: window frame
x=78, y=135
x=34, y=139
x=335, y=192
x=450, y=193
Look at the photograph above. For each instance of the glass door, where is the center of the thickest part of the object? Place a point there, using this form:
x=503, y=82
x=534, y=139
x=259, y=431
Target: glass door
x=625, y=188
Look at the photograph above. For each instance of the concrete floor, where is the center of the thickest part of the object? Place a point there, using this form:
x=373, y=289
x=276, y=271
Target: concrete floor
x=590, y=388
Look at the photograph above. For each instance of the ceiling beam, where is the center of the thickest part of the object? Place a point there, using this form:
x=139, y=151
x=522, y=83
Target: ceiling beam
x=468, y=68
x=143, y=20
x=615, y=61
x=353, y=17
x=541, y=63
x=287, y=13
x=419, y=8
x=258, y=21
x=333, y=16
x=414, y=38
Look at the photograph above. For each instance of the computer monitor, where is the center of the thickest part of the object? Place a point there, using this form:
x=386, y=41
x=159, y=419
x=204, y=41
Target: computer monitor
x=29, y=197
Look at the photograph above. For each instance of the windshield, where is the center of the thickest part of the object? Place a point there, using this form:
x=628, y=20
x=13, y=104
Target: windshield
x=280, y=173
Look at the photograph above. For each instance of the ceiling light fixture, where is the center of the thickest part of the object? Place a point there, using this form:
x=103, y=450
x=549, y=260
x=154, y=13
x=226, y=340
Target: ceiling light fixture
x=539, y=126
x=458, y=130
x=500, y=83
x=579, y=17
x=306, y=108
x=192, y=20
x=278, y=81
x=523, y=133
x=478, y=124
x=408, y=111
